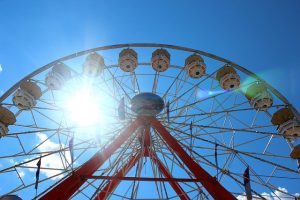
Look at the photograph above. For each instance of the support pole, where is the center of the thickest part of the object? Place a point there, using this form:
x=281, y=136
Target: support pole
x=67, y=187
x=216, y=190
x=112, y=184
x=175, y=185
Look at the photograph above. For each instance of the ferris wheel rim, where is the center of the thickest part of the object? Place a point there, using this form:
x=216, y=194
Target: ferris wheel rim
x=138, y=45
x=151, y=45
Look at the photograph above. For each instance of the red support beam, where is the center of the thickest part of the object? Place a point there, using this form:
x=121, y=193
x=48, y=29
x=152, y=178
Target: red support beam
x=67, y=187
x=120, y=175
x=175, y=185
x=144, y=136
x=147, y=136
x=216, y=190
x=111, y=185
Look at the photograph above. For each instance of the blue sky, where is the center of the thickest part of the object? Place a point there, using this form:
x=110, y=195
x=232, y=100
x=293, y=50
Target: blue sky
x=262, y=36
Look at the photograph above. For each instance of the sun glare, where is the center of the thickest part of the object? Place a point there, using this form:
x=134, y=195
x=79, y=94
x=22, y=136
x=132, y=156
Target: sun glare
x=88, y=109
x=84, y=108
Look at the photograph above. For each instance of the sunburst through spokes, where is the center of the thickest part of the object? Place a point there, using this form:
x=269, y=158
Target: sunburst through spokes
x=138, y=121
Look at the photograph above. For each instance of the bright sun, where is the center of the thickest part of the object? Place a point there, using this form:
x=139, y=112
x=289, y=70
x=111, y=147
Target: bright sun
x=84, y=108
x=82, y=104
x=88, y=109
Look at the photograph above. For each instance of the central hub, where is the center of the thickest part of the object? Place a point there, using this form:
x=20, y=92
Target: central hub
x=147, y=104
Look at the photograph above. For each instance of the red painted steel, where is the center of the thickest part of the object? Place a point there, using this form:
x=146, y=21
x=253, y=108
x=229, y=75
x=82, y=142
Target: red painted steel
x=66, y=188
x=175, y=185
x=147, y=137
x=216, y=190
x=111, y=185
x=144, y=136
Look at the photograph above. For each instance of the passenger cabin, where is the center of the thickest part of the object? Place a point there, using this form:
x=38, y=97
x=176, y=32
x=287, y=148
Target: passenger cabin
x=93, y=65
x=287, y=124
x=25, y=97
x=228, y=78
x=57, y=77
x=195, y=66
x=160, y=60
x=6, y=118
x=259, y=97
x=128, y=60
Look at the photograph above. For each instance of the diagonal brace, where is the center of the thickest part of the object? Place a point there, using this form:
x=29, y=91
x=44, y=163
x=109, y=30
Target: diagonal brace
x=216, y=190
x=67, y=187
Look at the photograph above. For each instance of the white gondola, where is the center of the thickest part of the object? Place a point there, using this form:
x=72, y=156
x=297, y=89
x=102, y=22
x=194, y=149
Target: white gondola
x=259, y=97
x=57, y=77
x=128, y=60
x=6, y=118
x=228, y=78
x=25, y=97
x=160, y=60
x=195, y=66
x=93, y=65
x=290, y=129
x=262, y=101
x=288, y=126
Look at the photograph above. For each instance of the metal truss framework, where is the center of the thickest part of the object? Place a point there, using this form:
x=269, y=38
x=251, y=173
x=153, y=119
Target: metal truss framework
x=67, y=187
x=218, y=118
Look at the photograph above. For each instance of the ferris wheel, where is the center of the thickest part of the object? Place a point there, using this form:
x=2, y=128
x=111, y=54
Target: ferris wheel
x=146, y=121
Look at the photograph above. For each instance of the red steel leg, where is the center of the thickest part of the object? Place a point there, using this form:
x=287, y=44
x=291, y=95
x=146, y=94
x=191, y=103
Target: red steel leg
x=66, y=188
x=122, y=172
x=144, y=136
x=216, y=190
x=111, y=186
x=180, y=192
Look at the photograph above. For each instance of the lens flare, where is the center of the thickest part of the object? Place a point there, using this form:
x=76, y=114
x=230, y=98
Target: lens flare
x=203, y=94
